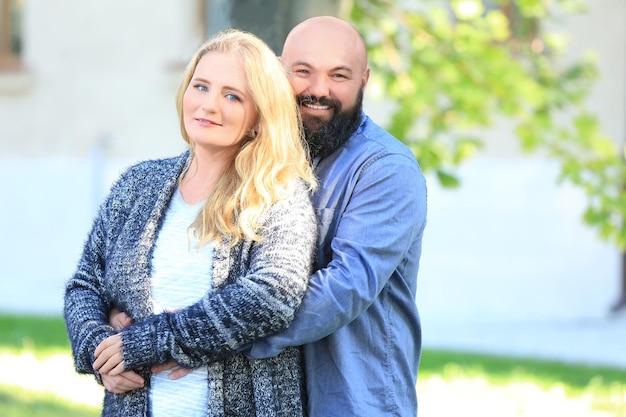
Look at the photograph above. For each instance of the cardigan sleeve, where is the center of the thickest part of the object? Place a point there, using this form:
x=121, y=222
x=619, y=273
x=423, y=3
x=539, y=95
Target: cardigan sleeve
x=259, y=299
x=113, y=268
x=85, y=303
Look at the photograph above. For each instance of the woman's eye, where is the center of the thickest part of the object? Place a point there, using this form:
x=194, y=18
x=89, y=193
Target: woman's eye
x=201, y=87
x=231, y=97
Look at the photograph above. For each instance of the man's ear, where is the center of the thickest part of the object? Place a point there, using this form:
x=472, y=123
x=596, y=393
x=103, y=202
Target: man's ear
x=366, y=77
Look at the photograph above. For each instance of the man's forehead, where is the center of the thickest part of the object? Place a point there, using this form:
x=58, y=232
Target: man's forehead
x=316, y=55
x=324, y=52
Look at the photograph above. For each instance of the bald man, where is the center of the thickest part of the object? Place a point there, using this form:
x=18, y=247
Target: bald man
x=358, y=323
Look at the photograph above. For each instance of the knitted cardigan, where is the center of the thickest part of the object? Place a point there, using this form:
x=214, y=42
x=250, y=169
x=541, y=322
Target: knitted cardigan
x=256, y=288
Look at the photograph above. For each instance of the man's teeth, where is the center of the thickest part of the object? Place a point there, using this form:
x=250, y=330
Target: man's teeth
x=314, y=107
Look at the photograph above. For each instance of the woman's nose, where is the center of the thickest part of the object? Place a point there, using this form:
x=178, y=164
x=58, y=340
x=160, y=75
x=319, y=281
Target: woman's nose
x=209, y=102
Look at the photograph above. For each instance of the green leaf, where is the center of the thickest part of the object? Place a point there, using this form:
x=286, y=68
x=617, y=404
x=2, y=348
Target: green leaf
x=448, y=180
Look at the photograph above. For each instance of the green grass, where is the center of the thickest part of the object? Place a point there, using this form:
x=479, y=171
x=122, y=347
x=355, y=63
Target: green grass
x=500, y=369
x=40, y=335
x=606, y=387
x=16, y=402
x=45, y=336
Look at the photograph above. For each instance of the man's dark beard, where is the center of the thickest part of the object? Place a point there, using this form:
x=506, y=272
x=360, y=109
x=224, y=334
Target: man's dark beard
x=326, y=138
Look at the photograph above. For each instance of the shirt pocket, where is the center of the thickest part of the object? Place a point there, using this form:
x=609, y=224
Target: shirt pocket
x=325, y=222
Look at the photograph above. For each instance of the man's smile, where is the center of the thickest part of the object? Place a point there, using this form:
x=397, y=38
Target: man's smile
x=315, y=106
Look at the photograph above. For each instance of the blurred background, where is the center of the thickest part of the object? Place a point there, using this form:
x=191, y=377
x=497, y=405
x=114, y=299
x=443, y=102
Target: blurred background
x=87, y=88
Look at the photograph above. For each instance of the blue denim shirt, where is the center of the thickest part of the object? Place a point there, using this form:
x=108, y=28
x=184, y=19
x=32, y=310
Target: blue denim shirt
x=358, y=322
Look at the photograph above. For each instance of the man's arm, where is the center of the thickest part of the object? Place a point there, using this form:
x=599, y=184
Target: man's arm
x=386, y=211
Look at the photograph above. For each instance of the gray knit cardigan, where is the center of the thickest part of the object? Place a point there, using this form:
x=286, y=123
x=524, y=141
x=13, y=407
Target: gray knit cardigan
x=256, y=289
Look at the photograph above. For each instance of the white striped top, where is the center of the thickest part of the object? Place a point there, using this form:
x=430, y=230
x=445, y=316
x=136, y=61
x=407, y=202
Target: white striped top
x=181, y=276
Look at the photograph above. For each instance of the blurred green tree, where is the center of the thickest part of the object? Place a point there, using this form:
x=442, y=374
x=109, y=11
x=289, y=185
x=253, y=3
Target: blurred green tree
x=454, y=68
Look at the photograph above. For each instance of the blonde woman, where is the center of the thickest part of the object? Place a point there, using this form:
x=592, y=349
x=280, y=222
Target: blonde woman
x=205, y=252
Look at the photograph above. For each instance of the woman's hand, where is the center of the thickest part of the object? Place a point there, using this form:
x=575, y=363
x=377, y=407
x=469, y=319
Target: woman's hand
x=128, y=380
x=109, y=357
x=124, y=382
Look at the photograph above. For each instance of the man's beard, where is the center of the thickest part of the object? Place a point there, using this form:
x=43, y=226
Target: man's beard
x=324, y=138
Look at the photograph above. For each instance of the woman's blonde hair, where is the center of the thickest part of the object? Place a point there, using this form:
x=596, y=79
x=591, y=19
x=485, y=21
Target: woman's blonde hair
x=264, y=167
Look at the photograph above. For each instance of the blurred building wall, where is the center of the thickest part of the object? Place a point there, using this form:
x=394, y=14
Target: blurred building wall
x=97, y=93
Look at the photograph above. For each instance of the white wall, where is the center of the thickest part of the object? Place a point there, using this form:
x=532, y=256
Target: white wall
x=509, y=245
x=97, y=93
x=95, y=69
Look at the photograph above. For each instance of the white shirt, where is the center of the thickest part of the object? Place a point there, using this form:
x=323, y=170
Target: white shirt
x=181, y=276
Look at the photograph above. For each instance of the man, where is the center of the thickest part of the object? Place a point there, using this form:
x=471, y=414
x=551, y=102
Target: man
x=358, y=322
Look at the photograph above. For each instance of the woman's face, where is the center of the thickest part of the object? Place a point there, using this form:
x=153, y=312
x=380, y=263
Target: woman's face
x=218, y=110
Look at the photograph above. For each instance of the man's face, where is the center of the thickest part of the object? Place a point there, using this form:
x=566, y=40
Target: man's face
x=323, y=93
x=330, y=104
x=328, y=71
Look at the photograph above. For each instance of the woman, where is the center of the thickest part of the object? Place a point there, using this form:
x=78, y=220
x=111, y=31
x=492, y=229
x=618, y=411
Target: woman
x=205, y=252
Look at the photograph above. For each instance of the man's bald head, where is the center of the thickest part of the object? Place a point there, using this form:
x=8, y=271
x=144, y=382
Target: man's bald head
x=338, y=37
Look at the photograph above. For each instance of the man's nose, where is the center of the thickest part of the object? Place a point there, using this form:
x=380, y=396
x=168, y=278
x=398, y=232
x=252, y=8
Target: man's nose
x=319, y=87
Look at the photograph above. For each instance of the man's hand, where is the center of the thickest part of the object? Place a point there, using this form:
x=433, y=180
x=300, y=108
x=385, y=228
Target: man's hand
x=176, y=373
x=124, y=382
x=118, y=319
x=109, y=356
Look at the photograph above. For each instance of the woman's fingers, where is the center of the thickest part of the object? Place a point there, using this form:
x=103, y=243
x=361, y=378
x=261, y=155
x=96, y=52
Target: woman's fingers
x=109, y=356
x=126, y=381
